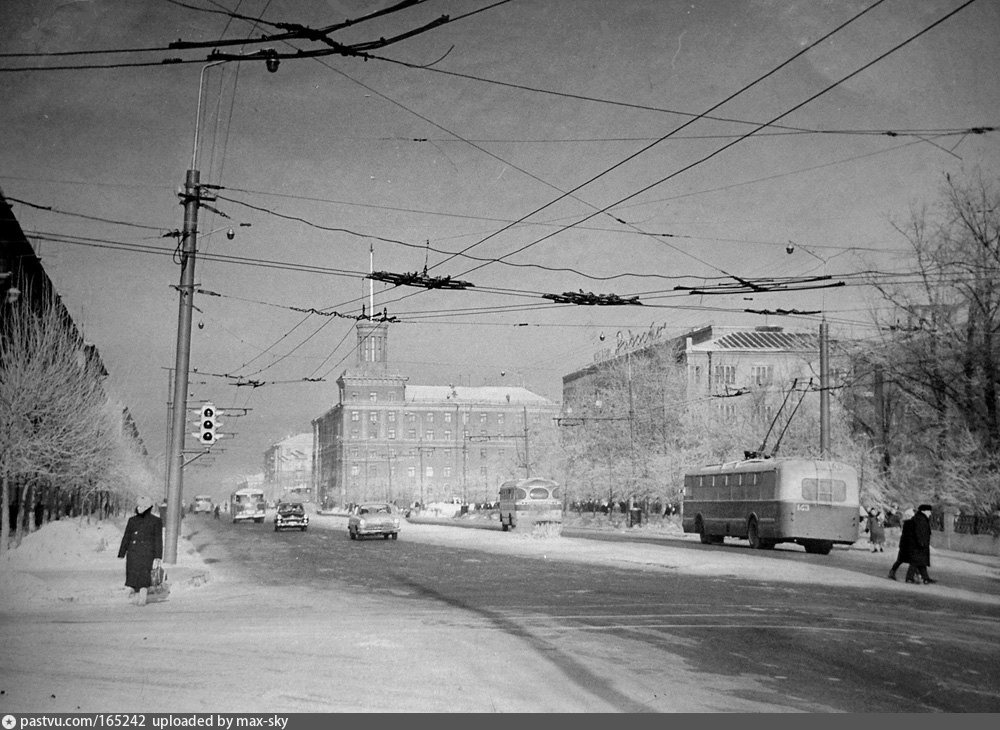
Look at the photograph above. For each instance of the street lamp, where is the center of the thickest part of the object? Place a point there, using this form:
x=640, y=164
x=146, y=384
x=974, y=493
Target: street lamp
x=191, y=197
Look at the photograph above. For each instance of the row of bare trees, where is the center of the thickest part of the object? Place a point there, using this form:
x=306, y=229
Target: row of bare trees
x=916, y=411
x=934, y=414
x=63, y=446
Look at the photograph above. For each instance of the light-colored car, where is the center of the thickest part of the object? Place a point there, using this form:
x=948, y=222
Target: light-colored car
x=290, y=516
x=373, y=518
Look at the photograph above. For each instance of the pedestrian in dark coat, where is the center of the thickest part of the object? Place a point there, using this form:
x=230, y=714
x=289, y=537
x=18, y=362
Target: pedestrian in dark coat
x=142, y=548
x=920, y=550
x=906, y=543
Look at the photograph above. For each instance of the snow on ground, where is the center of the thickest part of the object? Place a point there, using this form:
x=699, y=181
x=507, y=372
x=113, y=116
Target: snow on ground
x=73, y=643
x=73, y=560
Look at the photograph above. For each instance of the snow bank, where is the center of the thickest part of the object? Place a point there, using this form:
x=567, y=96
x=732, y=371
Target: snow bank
x=75, y=561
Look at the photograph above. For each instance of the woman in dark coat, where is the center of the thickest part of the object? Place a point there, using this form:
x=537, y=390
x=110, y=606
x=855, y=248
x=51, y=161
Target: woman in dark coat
x=920, y=548
x=142, y=546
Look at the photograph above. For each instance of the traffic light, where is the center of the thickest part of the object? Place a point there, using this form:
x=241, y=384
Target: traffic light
x=207, y=435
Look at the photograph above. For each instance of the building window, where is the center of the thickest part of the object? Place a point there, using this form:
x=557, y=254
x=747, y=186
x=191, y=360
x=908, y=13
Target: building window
x=392, y=396
x=499, y=419
x=411, y=434
x=430, y=418
x=725, y=375
x=354, y=452
x=411, y=417
x=373, y=397
x=447, y=417
x=482, y=471
x=373, y=416
x=373, y=431
x=429, y=471
x=392, y=416
x=761, y=374
x=355, y=470
x=355, y=416
x=392, y=453
x=447, y=434
x=429, y=434
x=447, y=472
x=446, y=453
x=482, y=453
x=354, y=433
x=411, y=471
x=482, y=418
x=465, y=417
x=391, y=433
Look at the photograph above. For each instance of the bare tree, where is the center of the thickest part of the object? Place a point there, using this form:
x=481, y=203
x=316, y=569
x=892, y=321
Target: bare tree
x=938, y=363
x=56, y=433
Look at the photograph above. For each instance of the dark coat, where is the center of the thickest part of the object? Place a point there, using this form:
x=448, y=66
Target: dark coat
x=141, y=544
x=906, y=543
x=920, y=553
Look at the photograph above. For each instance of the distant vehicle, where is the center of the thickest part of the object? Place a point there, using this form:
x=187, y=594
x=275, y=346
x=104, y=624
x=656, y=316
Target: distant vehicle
x=531, y=501
x=247, y=504
x=203, y=503
x=373, y=518
x=813, y=503
x=290, y=515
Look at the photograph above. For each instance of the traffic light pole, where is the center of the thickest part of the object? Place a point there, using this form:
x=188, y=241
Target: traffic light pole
x=175, y=475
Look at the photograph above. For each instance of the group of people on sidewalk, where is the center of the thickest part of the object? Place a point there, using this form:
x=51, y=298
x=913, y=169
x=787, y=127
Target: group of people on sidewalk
x=914, y=542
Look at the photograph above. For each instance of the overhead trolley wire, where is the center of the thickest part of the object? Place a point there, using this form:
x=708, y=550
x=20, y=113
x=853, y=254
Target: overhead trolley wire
x=743, y=137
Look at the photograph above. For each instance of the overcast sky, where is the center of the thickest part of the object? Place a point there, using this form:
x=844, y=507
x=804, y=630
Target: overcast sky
x=476, y=137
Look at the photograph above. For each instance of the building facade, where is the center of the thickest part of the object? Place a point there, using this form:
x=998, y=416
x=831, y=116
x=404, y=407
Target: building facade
x=288, y=469
x=388, y=440
x=719, y=361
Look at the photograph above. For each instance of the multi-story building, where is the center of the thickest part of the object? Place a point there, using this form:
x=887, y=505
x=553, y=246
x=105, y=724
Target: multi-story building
x=719, y=361
x=386, y=439
x=288, y=468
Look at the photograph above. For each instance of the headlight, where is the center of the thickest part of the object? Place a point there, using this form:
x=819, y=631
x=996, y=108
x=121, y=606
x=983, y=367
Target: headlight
x=361, y=523
x=395, y=522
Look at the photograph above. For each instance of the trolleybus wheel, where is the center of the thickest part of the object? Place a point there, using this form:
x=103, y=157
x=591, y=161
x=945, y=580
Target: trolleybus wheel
x=503, y=525
x=753, y=534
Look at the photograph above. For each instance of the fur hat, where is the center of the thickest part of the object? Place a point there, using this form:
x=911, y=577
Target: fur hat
x=925, y=508
x=142, y=504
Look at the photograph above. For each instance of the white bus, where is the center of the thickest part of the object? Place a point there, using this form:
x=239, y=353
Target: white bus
x=247, y=504
x=767, y=501
x=533, y=501
x=203, y=503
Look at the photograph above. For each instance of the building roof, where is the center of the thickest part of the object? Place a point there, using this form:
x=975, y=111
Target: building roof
x=762, y=340
x=463, y=395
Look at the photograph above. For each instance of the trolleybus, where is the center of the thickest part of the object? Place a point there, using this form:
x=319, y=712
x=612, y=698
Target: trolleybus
x=247, y=504
x=813, y=503
x=532, y=501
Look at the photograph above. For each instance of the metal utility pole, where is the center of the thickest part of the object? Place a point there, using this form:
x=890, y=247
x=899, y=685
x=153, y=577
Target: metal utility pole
x=187, y=250
x=527, y=459
x=189, y=244
x=824, y=389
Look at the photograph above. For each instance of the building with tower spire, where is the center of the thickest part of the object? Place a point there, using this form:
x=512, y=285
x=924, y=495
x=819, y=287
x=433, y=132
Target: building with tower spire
x=388, y=440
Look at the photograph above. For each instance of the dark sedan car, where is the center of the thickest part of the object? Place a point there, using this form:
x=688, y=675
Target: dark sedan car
x=290, y=516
